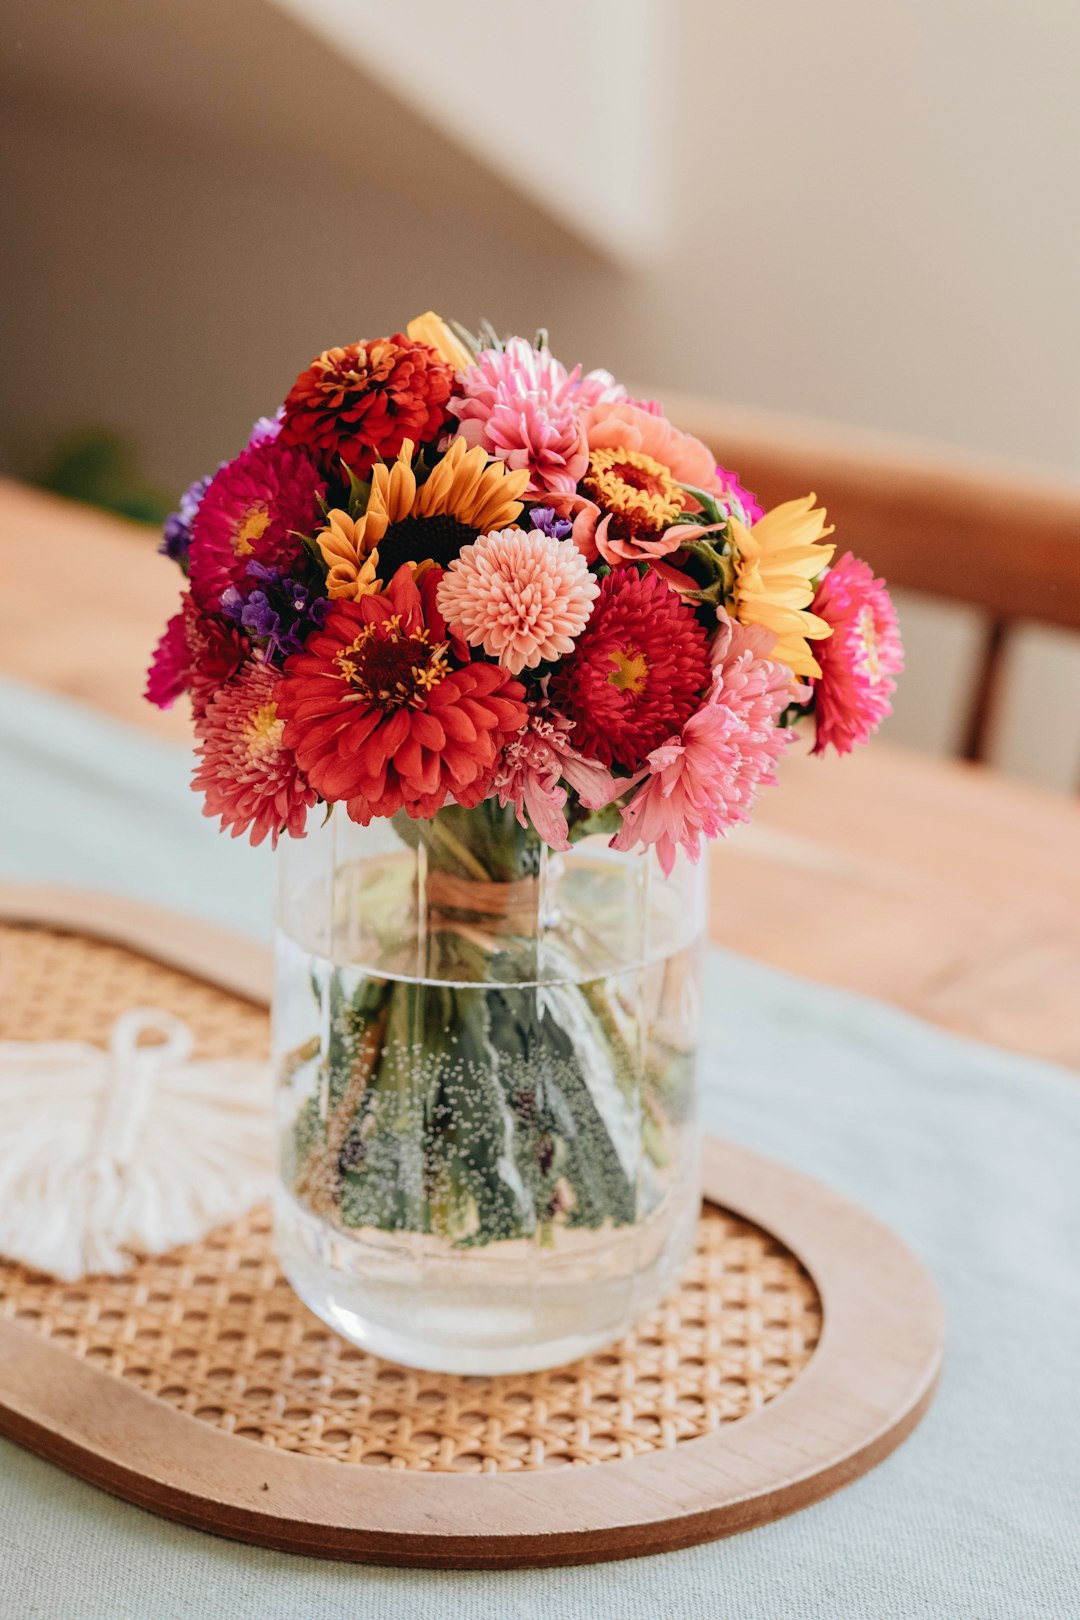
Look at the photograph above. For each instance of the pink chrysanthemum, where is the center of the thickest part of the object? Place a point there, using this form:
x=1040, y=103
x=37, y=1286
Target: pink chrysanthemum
x=637, y=671
x=522, y=597
x=730, y=486
x=170, y=666
x=704, y=780
x=860, y=658
x=522, y=406
x=248, y=777
x=255, y=508
x=534, y=764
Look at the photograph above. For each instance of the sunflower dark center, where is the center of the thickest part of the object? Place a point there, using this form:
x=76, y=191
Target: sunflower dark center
x=415, y=539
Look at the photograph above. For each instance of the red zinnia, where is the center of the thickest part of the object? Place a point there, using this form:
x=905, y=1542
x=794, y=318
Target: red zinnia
x=378, y=715
x=362, y=402
x=254, y=509
x=249, y=777
x=637, y=670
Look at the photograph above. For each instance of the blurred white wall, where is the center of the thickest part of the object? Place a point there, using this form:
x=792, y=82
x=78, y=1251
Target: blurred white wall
x=861, y=212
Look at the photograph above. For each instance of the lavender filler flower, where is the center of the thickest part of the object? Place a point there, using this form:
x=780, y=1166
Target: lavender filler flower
x=278, y=611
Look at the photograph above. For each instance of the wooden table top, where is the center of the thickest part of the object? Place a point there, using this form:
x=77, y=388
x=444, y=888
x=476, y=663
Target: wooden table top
x=937, y=886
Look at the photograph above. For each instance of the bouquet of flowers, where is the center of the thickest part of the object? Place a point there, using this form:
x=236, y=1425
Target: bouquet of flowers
x=453, y=583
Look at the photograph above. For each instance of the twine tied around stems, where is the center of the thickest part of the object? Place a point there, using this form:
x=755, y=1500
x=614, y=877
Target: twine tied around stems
x=456, y=904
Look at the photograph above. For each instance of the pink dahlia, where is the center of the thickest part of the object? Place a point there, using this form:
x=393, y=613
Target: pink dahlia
x=522, y=406
x=522, y=597
x=255, y=508
x=704, y=779
x=534, y=764
x=860, y=658
x=637, y=670
x=249, y=777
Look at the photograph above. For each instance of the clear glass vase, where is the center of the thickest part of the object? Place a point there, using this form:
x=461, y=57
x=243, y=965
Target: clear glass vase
x=486, y=1086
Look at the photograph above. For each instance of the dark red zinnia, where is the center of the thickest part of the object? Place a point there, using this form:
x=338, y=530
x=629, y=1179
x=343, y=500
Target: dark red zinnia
x=196, y=654
x=361, y=402
x=378, y=715
x=637, y=671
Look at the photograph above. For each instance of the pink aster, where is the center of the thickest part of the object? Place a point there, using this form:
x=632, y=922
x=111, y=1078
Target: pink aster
x=255, y=508
x=534, y=764
x=521, y=404
x=248, y=777
x=704, y=780
x=860, y=658
x=521, y=596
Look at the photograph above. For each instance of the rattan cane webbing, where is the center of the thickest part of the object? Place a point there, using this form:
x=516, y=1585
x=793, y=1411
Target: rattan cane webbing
x=216, y=1331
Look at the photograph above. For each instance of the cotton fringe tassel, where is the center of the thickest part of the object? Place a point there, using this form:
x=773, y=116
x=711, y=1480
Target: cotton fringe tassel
x=106, y=1155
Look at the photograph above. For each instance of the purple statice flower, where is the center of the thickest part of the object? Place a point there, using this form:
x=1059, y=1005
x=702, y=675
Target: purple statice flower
x=544, y=519
x=267, y=428
x=278, y=612
x=176, y=535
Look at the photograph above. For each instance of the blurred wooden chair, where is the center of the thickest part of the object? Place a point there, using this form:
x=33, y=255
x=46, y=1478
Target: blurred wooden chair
x=950, y=529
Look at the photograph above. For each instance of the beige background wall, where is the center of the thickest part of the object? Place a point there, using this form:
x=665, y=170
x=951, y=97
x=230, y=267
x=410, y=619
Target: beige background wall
x=871, y=218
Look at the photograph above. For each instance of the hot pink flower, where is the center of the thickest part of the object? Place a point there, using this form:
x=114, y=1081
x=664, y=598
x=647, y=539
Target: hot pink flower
x=249, y=777
x=521, y=405
x=522, y=597
x=860, y=658
x=531, y=768
x=196, y=654
x=170, y=666
x=255, y=507
x=704, y=780
x=729, y=485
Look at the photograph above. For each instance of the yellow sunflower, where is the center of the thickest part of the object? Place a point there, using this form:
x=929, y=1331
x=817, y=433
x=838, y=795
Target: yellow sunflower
x=464, y=495
x=776, y=562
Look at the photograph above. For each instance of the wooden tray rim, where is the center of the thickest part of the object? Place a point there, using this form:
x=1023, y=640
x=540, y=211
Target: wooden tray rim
x=868, y=1383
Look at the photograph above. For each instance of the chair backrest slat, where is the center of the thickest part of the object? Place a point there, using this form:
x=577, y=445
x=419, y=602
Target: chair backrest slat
x=985, y=691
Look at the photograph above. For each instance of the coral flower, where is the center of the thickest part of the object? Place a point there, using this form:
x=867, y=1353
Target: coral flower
x=859, y=659
x=380, y=717
x=703, y=780
x=522, y=406
x=464, y=494
x=532, y=767
x=776, y=563
x=642, y=502
x=624, y=426
x=637, y=671
x=522, y=597
x=248, y=775
x=256, y=507
x=361, y=402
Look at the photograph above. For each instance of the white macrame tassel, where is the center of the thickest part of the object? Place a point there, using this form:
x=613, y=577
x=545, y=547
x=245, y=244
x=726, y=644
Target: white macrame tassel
x=109, y=1155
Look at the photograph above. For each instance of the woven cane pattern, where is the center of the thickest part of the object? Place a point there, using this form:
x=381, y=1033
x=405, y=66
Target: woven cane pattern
x=216, y=1331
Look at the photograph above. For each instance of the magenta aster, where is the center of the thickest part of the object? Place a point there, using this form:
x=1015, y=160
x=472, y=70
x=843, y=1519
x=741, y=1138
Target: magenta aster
x=255, y=507
x=637, y=670
x=522, y=597
x=859, y=660
x=250, y=779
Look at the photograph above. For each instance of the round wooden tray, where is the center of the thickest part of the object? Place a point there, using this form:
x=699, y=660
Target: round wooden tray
x=803, y=1344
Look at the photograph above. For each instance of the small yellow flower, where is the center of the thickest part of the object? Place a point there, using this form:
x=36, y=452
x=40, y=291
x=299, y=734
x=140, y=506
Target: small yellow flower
x=431, y=329
x=776, y=563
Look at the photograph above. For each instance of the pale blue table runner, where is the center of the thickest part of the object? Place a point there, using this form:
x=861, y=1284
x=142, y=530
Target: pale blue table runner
x=973, y=1155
